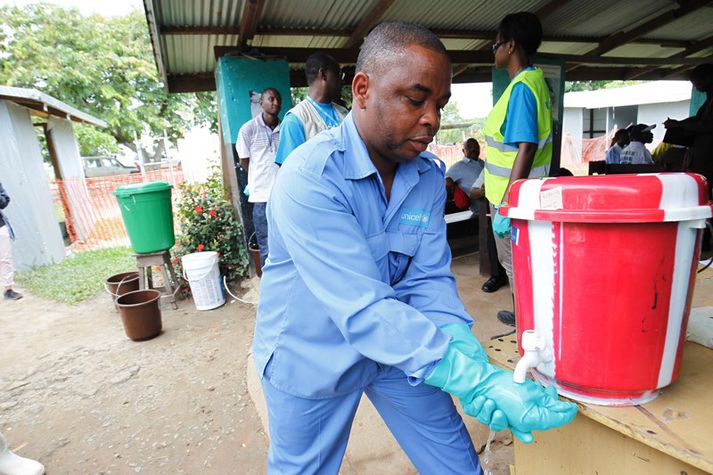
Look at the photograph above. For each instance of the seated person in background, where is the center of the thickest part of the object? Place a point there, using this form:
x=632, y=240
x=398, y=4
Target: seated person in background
x=671, y=157
x=620, y=140
x=636, y=153
x=461, y=176
x=498, y=277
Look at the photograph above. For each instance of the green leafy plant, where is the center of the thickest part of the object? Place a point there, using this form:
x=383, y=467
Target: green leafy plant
x=208, y=223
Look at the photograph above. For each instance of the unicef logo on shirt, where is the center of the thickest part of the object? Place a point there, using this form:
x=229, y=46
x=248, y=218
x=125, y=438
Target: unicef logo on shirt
x=415, y=217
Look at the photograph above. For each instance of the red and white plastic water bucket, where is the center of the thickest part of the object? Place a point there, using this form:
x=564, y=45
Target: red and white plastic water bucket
x=604, y=269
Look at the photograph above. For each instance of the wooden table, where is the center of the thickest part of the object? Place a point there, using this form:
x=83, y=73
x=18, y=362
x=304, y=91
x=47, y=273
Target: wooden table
x=673, y=434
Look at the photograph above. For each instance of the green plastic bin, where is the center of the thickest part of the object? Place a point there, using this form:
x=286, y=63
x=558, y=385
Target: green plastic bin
x=148, y=216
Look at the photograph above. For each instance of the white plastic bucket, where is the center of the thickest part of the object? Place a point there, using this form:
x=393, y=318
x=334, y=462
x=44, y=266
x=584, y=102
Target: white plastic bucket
x=201, y=271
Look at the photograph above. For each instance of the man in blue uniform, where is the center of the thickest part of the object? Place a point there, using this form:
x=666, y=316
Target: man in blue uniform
x=357, y=295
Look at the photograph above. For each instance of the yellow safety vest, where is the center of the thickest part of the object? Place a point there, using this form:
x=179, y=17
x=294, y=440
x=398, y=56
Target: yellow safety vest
x=500, y=157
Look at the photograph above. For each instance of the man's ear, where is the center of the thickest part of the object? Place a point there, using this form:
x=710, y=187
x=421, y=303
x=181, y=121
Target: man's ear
x=360, y=90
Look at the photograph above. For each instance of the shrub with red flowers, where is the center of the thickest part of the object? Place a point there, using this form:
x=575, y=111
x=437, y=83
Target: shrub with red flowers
x=208, y=223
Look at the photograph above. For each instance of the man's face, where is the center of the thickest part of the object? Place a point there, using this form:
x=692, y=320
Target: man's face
x=500, y=52
x=647, y=137
x=271, y=102
x=400, y=107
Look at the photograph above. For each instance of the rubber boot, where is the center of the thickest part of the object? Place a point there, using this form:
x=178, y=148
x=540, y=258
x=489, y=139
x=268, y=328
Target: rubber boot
x=11, y=464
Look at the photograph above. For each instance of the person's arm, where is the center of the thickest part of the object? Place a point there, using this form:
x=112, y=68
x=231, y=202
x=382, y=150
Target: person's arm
x=292, y=135
x=523, y=163
x=4, y=197
x=477, y=191
x=521, y=132
x=243, y=147
x=449, y=184
x=314, y=223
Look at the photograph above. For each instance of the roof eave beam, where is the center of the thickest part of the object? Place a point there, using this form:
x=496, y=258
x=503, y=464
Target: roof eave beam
x=249, y=20
x=368, y=22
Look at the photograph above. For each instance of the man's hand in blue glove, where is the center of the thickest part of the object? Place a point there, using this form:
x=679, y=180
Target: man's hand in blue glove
x=489, y=393
x=501, y=224
x=521, y=407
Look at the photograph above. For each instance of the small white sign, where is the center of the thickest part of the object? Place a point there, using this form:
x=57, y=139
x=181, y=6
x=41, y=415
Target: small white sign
x=551, y=199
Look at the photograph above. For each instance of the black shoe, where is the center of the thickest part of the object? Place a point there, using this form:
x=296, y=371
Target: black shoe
x=507, y=317
x=12, y=295
x=494, y=283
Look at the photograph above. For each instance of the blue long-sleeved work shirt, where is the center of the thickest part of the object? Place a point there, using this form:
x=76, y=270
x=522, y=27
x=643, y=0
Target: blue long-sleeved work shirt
x=353, y=280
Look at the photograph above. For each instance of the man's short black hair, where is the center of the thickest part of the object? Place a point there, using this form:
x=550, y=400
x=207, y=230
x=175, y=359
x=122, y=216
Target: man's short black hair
x=471, y=142
x=389, y=40
x=523, y=27
x=272, y=90
x=318, y=61
x=702, y=73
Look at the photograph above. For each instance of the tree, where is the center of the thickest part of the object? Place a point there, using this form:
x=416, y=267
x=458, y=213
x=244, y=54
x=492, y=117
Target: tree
x=572, y=86
x=103, y=66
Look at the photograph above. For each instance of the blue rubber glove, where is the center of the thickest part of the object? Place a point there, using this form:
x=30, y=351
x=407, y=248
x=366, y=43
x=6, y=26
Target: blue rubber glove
x=480, y=407
x=489, y=393
x=501, y=224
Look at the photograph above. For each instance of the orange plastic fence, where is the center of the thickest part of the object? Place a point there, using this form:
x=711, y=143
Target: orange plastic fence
x=92, y=214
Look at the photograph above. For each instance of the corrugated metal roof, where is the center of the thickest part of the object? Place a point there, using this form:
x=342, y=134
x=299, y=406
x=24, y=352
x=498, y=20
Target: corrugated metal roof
x=638, y=50
x=188, y=46
x=690, y=27
x=336, y=14
x=193, y=54
x=602, y=18
x=457, y=14
x=223, y=13
x=285, y=41
x=44, y=105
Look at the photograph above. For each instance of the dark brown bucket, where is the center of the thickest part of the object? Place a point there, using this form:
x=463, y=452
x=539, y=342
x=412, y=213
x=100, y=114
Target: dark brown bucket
x=120, y=284
x=140, y=314
x=255, y=254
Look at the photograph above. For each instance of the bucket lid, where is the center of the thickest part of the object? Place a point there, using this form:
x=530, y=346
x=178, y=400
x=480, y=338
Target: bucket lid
x=651, y=197
x=138, y=188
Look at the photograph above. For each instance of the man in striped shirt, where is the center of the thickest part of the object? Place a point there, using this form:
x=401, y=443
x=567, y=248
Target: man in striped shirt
x=257, y=142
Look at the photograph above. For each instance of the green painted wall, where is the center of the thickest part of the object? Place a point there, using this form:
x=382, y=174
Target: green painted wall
x=697, y=100
x=235, y=77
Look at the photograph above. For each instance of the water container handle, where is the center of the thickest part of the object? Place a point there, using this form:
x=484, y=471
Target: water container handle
x=118, y=287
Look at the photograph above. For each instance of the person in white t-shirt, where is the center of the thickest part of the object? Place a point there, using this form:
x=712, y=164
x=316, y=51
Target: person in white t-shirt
x=257, y=142
x=636, y=152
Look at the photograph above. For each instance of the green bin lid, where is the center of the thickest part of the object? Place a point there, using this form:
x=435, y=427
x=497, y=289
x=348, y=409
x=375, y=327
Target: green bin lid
x=139, y=188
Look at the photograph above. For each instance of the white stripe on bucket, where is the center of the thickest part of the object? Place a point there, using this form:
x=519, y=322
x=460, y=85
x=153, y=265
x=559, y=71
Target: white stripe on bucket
x=675, y=194
x=543, y=285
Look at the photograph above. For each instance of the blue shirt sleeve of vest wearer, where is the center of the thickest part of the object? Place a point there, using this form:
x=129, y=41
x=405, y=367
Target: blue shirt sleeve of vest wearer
x=292, y=135
x=312, y=209
x=521, y=121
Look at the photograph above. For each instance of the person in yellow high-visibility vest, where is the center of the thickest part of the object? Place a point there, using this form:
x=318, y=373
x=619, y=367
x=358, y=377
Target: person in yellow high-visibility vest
x=518, y=131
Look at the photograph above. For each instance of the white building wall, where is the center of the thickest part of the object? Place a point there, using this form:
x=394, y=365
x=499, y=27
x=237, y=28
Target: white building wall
x=30, y=211
x=658, y=113
x=572, y=124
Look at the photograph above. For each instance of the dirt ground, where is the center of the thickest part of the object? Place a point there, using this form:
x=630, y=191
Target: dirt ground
x=79, y=396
